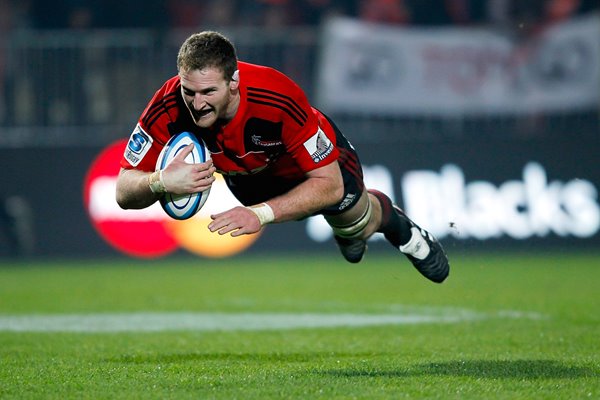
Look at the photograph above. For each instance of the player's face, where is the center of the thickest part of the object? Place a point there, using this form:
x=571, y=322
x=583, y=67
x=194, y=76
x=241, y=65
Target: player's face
x=208, y=96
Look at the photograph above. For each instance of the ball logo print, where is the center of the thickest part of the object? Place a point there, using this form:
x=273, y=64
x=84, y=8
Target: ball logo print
x=150, y=232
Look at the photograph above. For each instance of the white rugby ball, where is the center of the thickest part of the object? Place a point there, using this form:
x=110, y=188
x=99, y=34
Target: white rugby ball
x=183, y=206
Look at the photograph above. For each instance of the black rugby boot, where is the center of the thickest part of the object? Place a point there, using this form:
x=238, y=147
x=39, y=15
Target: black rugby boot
x=425, y=252
x=352, y=249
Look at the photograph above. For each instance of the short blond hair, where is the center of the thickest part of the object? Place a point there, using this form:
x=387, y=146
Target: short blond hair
x=208, y=49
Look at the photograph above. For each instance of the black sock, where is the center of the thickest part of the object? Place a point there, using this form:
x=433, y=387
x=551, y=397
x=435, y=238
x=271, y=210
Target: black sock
x=395, y=228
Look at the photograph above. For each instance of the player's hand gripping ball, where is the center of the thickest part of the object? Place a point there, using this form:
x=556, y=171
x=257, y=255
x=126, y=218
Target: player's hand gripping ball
x=183, y=206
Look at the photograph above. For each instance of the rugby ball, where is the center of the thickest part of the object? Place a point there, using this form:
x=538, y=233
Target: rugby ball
x=183, y=206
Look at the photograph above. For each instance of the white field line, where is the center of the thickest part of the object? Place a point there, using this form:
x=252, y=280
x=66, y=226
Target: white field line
x=154, y=322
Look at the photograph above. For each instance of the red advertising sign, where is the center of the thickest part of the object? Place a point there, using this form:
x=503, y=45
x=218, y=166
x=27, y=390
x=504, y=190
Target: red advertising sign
x=150, y=233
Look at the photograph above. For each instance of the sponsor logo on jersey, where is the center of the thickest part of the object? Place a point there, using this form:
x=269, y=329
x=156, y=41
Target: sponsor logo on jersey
x=138, y=145
x=318, y=146
x=258, y=140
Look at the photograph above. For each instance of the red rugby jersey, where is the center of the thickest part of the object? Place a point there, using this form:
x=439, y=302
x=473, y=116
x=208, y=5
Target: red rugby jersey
x=274, y=130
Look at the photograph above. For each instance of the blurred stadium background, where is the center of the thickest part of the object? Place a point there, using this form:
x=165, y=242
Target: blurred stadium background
x=481, y=117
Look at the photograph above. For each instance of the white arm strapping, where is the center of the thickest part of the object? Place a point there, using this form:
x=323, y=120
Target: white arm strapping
x=264, y=212
x=156, y=183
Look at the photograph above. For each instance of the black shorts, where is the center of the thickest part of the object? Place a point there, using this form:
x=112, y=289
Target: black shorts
x=262, y=186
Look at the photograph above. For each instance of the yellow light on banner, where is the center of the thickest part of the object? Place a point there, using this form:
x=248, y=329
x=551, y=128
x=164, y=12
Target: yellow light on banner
x=193, y=235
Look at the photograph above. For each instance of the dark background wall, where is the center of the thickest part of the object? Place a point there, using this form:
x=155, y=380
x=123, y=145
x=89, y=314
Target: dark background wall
x=50, y=181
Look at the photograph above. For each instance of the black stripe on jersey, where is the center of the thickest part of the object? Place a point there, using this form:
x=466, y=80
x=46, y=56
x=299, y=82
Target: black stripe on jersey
x=288, y=101
x=280, y=98
x=348, y=158
x=287, y=111
x=167, y=107
x=283, y=96
x=348, y=163
x=157, y=109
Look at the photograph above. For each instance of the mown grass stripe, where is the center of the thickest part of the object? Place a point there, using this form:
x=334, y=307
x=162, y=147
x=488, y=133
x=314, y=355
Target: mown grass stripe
x=152, y=322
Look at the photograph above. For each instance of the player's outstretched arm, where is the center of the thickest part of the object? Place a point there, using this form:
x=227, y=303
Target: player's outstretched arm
x=322, y=188
x=133, y=191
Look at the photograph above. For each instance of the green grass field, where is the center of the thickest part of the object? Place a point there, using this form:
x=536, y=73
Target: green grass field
x=514, y=326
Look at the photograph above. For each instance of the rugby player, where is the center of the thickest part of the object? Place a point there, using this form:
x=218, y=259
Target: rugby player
x=283, y=159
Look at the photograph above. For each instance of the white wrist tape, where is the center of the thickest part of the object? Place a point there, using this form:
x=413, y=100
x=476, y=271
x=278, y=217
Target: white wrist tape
x=264, y=212
x=156, y=183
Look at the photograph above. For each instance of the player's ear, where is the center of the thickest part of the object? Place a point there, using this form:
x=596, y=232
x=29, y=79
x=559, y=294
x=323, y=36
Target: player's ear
x=235, y=80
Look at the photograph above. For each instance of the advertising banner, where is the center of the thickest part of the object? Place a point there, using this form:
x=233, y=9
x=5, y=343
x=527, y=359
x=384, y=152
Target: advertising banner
x=366, y=68
x=531, y=194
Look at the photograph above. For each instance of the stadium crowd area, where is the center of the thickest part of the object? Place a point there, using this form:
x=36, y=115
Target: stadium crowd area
x=20, y=18
x=173, y=14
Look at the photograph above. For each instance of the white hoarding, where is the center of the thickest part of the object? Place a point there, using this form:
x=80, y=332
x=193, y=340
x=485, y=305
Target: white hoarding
x=458, y=70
